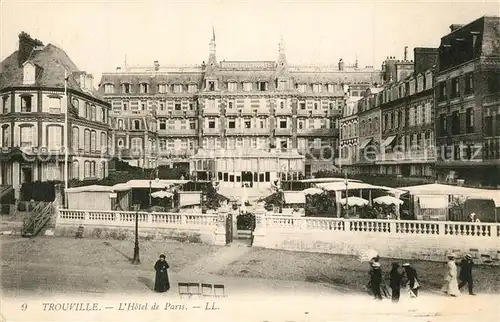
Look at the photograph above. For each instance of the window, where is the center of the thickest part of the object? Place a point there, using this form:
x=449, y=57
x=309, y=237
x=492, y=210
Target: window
x=144, y=88
x=300, y=124
x=104, y=141
x=126, y=88
x=302, y=105
x=302, y=88
x=29, y=74
x=192, y=124
x=93, y=141
x=26, y=136
x=282, y=105
x=93, y=113
x=86, y=140
x=76, y=139
x=316, y=88
x=109, y=88
x=211, y=124
x=247, y=86
x=455, y=90
x=54, y=137
x=231, y=124
x=75, y=170
x=442, y=91
x=493, y=82
x=469, y=120
x=283, y=124
x=125, y=106
x=282, y=85
x=26, y=104
x=137, y=125
x=5, y=104
x=232, y=86
x=103, y=169
x=469, y=83
x=86, y=169
x=230, y=105
x=331, y=88
x=6, y=136
x=262, y=86
x=192, y=88
x=120, y=143
x=103, y=115
x=143, y=105
x=136, y=143
x=163, y=124
x=455, y=123
x=120, y=124
x=443, y=126
x=178, y=106
x=248, y=124
x=192, y=106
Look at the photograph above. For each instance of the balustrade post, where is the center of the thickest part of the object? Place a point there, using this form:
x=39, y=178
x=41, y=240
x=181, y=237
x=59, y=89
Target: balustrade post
x=392, y=226
x=86, y=216
x=149, y=219
x=347, y=224
x=494, y=231
x=259, y=233
x=442, y=228
x=220, y=230
x=183, y=219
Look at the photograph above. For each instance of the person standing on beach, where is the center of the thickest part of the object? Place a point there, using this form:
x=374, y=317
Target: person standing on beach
x=162, y=283
x=466, y=274
x=395, y=282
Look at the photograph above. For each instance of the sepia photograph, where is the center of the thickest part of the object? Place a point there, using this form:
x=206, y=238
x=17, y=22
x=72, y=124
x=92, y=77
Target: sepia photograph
x=260, y=161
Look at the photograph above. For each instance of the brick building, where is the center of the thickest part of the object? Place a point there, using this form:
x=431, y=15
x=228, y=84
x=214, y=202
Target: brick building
x=468, y=103
x=32, y=118
x=237, y=105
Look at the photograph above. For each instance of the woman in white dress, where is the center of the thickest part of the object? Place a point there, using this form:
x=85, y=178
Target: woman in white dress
x=451, y=282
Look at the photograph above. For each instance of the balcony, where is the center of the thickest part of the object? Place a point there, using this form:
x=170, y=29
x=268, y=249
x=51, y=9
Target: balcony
x=420, y=156
x=178, y=132
x=318, y=132
x=211, y=112
x=247, y=132
x=177, y=113
x=279, y=111
x=182, y=153
x=211, y=131
x=283, y=132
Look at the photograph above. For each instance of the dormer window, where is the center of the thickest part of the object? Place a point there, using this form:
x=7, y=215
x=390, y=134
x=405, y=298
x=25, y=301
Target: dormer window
x=29, y=74
x=211, y=85
x=126, y=88
x=192, y=88
x=262, y=86
x=109, y=88
x=5, y=104
x=316, y=88
x=162, y=88
x=144, y=87
x=302, y=88
x=232, y=86
x=178, y=88
x=247, y=86
x=137, y=125
x=331, y=88
x=120, y=124
x=282, y=85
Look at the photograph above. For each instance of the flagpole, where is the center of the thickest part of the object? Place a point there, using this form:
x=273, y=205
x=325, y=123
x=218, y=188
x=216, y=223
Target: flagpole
x=66, y=131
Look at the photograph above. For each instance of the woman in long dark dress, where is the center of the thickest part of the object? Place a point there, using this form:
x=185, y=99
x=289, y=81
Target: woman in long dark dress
x=162, y=283
x=395, y=282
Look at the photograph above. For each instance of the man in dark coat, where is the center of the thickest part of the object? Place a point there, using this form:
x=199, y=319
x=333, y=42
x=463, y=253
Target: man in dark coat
x=395, y=282
x=376, y=280
x=162, y=283
x=411, y=275
x=466, y=273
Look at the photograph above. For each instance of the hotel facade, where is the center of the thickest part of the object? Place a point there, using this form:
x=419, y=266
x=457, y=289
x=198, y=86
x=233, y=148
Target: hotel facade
x=32, y=120
x=236, y=106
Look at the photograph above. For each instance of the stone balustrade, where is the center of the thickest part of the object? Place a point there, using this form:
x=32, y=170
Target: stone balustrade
x=428, y=240
x=127, y=219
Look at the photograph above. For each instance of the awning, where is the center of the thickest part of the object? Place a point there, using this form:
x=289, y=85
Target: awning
x=294, y=197
x=365, y=143
x=388, y=140
x=433, y=202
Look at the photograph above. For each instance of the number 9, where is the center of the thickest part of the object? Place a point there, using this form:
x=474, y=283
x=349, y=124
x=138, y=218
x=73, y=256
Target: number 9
x=24, y=307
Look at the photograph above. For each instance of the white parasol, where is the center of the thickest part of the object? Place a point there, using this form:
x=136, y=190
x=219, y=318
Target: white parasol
x=354, y=201
x=388, y=200
x=162, y=194
x=313, y=191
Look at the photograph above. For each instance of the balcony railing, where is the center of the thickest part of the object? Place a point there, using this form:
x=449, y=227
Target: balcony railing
x=211, y=111
x=283, y=132
x=178, y=132
x=211, y=131
x=317, y=132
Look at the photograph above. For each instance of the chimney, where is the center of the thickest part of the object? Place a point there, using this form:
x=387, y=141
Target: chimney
x=157, y=65
x=118, y=68
x=454, y=27
x=406, y=53
x=89, y=82
x=26, y=46
x=82, y=81
x=341, y=65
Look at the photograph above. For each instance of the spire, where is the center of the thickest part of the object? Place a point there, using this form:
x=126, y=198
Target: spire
x=213, y=34
x=212, y=57
x=282, y=69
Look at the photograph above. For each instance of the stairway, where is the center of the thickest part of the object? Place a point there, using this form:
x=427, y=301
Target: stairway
x=37, y=219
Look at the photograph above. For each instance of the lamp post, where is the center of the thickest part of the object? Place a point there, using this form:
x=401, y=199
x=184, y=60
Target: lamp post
x=136, y=260
x=346, y=182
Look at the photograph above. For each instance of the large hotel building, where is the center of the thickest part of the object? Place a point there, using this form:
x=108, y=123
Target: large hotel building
x=178, y=115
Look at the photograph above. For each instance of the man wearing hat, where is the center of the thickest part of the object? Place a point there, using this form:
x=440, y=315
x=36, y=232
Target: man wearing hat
x=411, y=276
x=473, y=218
x=466, y=273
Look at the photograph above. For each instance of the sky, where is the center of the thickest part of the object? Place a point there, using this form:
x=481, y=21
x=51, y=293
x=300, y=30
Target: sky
x=100, y=35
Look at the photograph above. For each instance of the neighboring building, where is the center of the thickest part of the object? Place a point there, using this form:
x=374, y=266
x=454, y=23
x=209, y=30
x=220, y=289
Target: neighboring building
x=467, y=113
x=408, y=147
x=349, y=133
x=32, y=117
x=235, y=104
